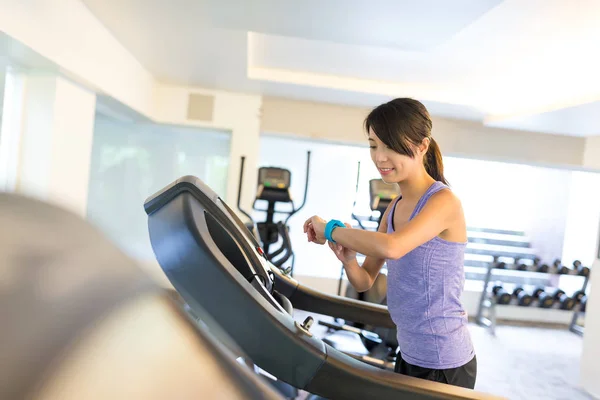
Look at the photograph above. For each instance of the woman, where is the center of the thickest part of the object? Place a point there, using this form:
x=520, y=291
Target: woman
x=422, y=237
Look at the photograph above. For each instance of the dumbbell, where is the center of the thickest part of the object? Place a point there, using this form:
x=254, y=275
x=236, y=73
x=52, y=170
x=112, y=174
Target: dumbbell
x=500, y=265
x=519, y=265
x=543, y=268
x=523, y=298
x=583, y=304
x=559, y=268
x=566, y=302
x=540, y=267
x=578, y=295
x=543, y=298
x=501, y=295
x=581, y=270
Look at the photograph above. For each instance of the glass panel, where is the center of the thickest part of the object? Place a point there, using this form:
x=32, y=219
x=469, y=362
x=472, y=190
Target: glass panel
x=131, y=161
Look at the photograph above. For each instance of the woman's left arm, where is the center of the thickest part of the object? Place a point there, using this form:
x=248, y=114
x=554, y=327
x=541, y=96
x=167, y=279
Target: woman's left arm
x=438, y=214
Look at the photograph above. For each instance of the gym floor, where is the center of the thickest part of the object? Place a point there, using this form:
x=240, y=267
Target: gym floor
x=519, y=362
x=529, y=363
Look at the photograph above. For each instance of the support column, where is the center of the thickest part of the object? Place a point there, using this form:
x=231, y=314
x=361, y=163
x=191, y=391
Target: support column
x=10, y=130
x=56, y=141
x=590, y=373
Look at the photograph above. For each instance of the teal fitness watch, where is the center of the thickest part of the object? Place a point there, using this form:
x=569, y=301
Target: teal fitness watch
x=330, y=227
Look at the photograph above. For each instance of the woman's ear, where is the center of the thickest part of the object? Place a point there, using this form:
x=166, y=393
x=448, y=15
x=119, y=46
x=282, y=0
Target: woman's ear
x=424, y=146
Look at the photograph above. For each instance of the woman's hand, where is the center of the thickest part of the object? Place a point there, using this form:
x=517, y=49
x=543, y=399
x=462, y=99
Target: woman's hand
x=314, y=227
x=344, y=254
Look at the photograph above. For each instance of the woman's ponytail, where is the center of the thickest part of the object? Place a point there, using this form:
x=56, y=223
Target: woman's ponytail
x=434, y=164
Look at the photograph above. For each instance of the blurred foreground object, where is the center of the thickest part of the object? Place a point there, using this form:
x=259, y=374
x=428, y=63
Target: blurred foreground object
x=80, y=320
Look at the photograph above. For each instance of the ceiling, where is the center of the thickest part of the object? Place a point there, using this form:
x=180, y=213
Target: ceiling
x=523, y=64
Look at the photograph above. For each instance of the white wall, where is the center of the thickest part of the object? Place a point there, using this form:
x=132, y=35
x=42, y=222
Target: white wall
x=583, y=218
x=236, y=112
x=455, y=137
x=514, y=197
x=68, y=34
x=36, y=140
x=56, y=142
x=74, y=119
x=591, y=157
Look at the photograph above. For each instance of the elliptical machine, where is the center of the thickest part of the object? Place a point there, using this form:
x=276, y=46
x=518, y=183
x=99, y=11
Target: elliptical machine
x=274, y=187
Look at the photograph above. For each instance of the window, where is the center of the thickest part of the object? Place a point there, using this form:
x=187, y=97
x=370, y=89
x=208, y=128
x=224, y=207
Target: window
x=131, y=161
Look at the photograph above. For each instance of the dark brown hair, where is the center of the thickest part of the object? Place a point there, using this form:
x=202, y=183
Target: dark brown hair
x=403, y=122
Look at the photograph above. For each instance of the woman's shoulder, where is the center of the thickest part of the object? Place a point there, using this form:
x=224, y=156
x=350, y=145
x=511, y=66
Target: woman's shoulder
x=444, y=197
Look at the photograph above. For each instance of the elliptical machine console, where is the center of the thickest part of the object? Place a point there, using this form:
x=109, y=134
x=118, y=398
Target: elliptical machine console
x=382, y=194
x=273, y=186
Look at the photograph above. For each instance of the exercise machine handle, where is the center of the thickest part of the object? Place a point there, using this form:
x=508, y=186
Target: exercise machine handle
x=371, y=336
x=239, y=196
x=287, y=245
x=354, y=216
x=305, y=188
x=282, y=232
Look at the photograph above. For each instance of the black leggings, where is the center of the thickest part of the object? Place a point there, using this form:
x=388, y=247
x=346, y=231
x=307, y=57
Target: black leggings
x=463, y=376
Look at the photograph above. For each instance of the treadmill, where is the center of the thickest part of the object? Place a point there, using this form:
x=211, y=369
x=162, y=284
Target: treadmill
x=215, y=265
x=76, y=314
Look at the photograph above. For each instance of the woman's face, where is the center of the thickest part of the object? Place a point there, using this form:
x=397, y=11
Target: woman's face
x=392, y=166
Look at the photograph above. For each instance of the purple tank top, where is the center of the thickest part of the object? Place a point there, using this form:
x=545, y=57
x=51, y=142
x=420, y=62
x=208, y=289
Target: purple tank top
x=423, y=296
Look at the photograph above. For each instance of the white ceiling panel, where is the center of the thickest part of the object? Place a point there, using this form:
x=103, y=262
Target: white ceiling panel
x=514, y=62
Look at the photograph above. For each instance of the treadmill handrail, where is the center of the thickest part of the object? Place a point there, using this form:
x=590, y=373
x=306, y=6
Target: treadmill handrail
x=307, y=299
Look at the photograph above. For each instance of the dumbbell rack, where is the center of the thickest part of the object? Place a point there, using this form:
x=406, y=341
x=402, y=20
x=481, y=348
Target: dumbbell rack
x=488, y=303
